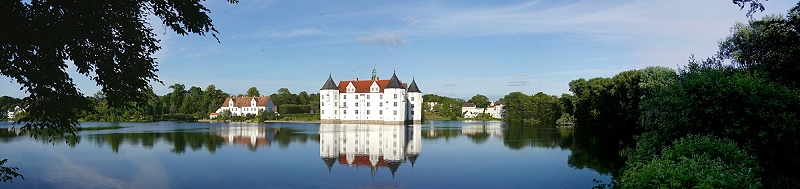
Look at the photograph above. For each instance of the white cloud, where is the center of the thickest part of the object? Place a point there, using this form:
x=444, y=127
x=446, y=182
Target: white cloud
x=273, y=34
x=382, y=39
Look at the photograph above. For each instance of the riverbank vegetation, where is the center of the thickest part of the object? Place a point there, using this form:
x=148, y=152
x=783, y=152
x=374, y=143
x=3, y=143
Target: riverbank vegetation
x=727, y=121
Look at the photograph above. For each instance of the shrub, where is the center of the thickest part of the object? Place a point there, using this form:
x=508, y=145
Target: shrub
x=696, y=162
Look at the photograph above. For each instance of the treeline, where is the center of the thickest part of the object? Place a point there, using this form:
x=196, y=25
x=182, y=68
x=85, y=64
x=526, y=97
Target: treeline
x=728, y=121
x=447, y=107
x=300, y=103
x=539, y=107
x=180, y=104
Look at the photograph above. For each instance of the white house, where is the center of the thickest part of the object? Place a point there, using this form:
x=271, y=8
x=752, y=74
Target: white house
x=496, y=111
x=370, y=101
x=241, y=106
x=11, y=112
x=469, y=110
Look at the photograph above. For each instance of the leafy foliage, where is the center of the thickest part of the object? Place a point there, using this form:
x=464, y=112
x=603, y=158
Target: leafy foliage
x=108, y=41
x=767, y=48
x=480, y=101
x=252, y=91
x=7, y=174
x=695, y=162
x=708, y=98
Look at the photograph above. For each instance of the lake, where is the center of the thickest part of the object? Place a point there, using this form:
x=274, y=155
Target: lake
x=437, y=154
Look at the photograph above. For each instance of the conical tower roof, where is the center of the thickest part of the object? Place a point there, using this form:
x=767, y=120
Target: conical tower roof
x=413, y=87
x=393, y=166
x=329, y=162
x=394, y=83
x=329, y=85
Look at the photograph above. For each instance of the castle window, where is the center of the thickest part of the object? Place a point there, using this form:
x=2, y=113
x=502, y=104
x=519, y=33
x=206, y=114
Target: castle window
x=412, y=112
x=344, y=104
x=335, y=112
x=322, y=104
x=380, y=104
x=344, y=111
x=380, y=112
x=367, y=96
x=394, y=112
x=395, y=96
x=356, y=104
x=412, y=98
x=381, y=97
x=322, y=111
x=356, y=111
x=367, y=114
x=395, y=104
x=344, y=96
x=356, y=96
x=367, y=104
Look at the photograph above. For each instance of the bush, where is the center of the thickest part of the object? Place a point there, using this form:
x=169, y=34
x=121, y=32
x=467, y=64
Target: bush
x=724, y=102
x=565, y=119
x=294, y=109
x=696, y=162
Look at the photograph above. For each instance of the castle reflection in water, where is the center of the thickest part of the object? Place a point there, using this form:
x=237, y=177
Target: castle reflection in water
x=373, y=146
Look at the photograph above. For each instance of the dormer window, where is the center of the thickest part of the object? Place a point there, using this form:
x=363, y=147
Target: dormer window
x=230, y=103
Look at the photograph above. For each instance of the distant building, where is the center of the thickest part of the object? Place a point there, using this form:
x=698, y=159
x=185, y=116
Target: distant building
x=370, y=101
x=469, y=110
x=14, y=111
x=241, y=106
x=432, y=104
x=496, y=111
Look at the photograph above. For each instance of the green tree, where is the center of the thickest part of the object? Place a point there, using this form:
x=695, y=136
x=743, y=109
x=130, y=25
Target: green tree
x=480, y=101
x=253, y=92
x=214, y=98
x=767, y=47
x=708, y=98
x=225, y=115
x=696, y=162
x=89, y=35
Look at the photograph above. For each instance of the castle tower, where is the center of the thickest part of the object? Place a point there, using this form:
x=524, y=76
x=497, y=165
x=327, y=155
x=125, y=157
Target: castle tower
x=396, y=101
x=329, y=101
x=415, y=102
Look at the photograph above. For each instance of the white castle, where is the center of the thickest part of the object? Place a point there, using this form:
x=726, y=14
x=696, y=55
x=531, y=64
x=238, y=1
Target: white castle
x=370, y=101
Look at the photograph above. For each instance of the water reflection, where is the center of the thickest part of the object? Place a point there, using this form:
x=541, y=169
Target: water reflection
x=593, y=149
x=373, y=146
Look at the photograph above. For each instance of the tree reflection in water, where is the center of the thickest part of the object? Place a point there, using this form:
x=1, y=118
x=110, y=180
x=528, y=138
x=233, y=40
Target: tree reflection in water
x=597, y=150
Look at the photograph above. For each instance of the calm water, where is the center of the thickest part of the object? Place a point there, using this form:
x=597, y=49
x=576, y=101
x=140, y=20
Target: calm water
x=440, y=154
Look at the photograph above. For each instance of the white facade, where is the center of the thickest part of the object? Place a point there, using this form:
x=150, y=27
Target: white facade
x=370, y=101
x=374, y=146
x=241, y=106
x=469, y=110
x=12, y=112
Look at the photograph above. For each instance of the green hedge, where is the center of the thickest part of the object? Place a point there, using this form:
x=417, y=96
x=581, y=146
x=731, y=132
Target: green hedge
x=293, y=109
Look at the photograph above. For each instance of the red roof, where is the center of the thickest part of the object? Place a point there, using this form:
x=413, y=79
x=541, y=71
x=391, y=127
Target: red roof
x=362, y=86
x=245, y=101
x=362, y=160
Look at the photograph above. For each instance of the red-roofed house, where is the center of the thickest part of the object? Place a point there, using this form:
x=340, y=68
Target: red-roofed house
x=241, y=106
x=370, y=101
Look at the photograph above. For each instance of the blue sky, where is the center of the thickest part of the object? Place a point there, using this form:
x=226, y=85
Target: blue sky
x=452, y=48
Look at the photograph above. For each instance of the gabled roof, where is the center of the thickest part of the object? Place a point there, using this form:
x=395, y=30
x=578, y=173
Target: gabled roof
x=329, y=85
x=468, y=104
x=413, y=87
x=362, y=86
x=245, y=101
x=394, y=83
